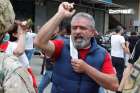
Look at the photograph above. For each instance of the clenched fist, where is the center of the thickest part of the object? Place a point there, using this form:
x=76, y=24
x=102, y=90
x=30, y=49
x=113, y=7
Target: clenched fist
x=67, y=9
x=78, y=65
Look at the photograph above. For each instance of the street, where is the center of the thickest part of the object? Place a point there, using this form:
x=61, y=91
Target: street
x=36, y=66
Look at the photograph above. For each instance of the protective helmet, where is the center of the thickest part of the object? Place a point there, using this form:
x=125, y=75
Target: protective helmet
x=7, y=15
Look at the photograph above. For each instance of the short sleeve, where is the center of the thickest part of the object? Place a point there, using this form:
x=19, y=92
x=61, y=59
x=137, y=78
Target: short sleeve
x=58, y=47
x=107, y=65
x=122, y=40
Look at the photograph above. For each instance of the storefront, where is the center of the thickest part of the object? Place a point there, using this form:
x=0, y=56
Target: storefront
x=97, y=8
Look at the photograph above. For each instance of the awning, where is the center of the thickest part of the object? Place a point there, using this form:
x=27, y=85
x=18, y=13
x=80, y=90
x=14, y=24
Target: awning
x=102, y=3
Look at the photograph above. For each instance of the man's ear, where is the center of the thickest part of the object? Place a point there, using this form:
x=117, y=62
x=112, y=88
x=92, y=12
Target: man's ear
x=95, y=32
x=91, y=34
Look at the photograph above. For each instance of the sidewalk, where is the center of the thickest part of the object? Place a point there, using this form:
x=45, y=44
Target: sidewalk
x=36, y=63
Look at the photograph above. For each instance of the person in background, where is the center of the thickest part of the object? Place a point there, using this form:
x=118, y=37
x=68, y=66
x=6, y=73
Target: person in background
x=47, y=67
x=132, y=40
x=65, y=29
x=134, y=57
x=16, y=46
x=13, y=77
x=118, y=48
x=29, y=47
x=73, y=73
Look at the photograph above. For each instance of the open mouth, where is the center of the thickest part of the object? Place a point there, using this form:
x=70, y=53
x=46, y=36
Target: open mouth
x=78, y=38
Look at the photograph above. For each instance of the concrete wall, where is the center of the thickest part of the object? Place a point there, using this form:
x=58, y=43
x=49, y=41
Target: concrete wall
x=127, y=20
x=130, y=4
x=40, y=16
x=23, y=8
x=44, y=12
x=99, y=19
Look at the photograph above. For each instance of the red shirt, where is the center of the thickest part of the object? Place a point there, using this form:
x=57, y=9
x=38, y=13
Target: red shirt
x=107, y=66
x=4, y=46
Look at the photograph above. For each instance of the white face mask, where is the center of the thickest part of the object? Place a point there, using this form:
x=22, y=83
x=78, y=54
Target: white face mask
x=73, y=50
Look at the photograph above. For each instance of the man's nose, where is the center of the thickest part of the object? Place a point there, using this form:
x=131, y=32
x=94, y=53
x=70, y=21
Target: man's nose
x=78, y=30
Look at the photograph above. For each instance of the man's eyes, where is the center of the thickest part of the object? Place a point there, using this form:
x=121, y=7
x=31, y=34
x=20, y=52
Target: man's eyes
x=80, y=27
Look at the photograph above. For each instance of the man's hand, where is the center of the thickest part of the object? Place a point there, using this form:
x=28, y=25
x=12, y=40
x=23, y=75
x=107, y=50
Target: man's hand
x=22, y=27
x=67, y=9
x=78, y=65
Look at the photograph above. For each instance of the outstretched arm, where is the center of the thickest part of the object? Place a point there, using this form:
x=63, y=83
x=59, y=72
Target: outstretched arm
x=21, y=40
x=46, y=32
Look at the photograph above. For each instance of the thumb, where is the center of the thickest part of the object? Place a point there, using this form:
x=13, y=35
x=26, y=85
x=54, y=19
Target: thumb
x=73, y=11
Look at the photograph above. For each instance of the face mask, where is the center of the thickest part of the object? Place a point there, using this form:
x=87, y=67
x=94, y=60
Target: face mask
x=6, y=38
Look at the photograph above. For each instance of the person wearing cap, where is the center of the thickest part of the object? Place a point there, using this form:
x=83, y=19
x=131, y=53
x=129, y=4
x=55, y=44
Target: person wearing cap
x=82, y=66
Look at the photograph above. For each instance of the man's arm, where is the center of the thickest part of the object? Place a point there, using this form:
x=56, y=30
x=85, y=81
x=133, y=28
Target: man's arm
x=125, y=47
x=42, y=40
x=21, y=41
x=107, y=81
x=136, y=53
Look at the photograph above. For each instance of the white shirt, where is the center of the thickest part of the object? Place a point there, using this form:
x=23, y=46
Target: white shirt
x=23, y=58
x=116, y=46
x=29, y=40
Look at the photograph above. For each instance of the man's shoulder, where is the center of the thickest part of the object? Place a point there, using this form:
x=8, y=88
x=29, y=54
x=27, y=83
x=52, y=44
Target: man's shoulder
x=14, y=74
x=9, y=62
x=101, y=48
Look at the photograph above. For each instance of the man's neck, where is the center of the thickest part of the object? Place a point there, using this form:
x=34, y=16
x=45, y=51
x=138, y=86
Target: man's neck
x=88, y=47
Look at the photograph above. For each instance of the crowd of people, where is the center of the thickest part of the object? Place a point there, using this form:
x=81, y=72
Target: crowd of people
x=72, y=59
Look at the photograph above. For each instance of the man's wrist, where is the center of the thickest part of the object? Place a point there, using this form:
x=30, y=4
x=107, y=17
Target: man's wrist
x=60, y=15
x=21, y=33
x=86, y=68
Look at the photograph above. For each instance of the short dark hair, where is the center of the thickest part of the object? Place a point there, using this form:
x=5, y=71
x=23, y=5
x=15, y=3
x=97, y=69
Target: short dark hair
x=133, y=33
x=14, y=29
x=118, y=29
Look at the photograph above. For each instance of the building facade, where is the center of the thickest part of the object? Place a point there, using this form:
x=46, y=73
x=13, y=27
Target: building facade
x=41, y=11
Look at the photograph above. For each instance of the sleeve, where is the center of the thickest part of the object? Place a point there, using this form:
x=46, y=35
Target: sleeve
x=58, y=47
x=107, y=65
x=135, y=54
x=122, y=40
x=33, y=34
